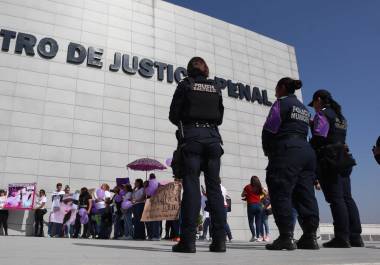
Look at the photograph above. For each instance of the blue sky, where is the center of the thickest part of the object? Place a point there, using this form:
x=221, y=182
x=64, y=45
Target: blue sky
x=338, y=47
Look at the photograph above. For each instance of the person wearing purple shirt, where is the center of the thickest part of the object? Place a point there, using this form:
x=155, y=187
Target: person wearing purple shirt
x=329, y=129
x=291, y=168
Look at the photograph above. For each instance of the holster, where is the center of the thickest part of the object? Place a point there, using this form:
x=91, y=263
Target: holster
x=177, y=161
x=335, y=157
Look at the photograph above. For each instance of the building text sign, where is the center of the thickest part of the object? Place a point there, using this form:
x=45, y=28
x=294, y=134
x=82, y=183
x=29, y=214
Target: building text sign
x=47, y=48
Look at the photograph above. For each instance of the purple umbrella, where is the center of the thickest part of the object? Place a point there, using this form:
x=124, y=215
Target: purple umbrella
x=146, y=164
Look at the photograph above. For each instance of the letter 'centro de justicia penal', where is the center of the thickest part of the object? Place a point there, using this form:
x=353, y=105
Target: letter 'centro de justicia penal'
x=48, y=48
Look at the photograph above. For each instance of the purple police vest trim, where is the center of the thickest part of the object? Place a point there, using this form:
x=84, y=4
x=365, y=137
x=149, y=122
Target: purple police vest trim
x=273, y=121
x=321, y=125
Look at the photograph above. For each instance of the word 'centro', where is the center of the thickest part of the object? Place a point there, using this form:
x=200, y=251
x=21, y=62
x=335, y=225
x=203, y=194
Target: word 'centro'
x=48, y=48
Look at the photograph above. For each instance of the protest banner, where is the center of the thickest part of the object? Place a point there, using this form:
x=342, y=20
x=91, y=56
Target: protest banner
x=21, y=196
x=122, y=181
x=164, y=205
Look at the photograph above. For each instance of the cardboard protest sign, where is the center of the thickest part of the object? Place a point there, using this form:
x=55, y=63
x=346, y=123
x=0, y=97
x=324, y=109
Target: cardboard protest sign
x=165, y=204
x=122, y=181
x=21, y=196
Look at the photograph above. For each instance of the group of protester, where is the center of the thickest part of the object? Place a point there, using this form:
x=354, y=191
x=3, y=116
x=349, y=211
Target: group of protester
x=96, y=213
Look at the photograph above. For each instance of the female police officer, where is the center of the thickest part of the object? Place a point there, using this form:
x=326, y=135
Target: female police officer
x=291, y=168
x=197, y=104
x=329, y=136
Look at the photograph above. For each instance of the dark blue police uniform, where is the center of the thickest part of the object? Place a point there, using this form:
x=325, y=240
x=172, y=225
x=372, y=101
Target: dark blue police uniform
x=329, y=129
x=197, y=104
x=291, y=170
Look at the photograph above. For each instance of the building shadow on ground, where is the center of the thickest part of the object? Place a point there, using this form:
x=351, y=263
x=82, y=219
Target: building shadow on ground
x=202, y=247
x=229, y=246
x=123, y=247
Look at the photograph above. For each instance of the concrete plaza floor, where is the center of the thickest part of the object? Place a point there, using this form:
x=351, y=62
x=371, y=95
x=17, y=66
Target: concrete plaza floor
x=18, y=250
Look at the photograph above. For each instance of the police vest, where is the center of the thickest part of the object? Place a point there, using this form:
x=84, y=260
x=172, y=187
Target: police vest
x=203, y=100
x=294, y=118
x=337, y=127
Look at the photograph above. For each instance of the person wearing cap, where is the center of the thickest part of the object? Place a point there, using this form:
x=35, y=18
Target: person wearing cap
x=291, y=168
x=197, y=109
x=329, y=128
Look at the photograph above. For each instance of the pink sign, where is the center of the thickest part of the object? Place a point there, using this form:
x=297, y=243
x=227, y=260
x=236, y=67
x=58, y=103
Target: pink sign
x=21, y=196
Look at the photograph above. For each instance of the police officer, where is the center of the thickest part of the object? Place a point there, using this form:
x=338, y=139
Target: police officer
x=329, y=131
x=197, y=109
x=291, y=168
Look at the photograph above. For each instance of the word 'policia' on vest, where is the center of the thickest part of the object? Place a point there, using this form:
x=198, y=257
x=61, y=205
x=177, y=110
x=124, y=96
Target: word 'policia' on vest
x=48, y=48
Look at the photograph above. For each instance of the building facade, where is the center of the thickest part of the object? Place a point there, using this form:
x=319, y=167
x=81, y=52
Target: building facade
x=86, y=85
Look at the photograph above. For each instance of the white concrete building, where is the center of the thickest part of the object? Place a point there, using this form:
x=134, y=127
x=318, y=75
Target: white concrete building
x=80, y=125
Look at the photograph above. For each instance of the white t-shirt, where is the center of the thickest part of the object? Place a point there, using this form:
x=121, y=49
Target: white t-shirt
x=224, y=193
x=3, y=200
x=203, y=206
x=40, y=201
x=139, y=195
x=102, y=204
x=57, y=194
x=128, y=196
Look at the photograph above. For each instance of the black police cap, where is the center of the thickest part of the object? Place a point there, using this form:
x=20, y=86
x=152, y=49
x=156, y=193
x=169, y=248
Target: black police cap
x=321, y=93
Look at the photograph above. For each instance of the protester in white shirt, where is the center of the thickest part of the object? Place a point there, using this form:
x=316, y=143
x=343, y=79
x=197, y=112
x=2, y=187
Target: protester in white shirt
x=40, y=211
x=227, y=226
x=55, y=223
x=101, y=204
x=205, y=215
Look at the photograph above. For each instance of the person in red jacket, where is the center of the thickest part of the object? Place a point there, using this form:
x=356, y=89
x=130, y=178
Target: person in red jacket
x=252, y=195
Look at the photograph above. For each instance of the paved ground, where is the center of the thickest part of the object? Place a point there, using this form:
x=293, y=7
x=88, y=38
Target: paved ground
x=40, y=251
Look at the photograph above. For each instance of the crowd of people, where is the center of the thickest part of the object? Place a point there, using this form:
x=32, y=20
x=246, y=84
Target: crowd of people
x=96, y=213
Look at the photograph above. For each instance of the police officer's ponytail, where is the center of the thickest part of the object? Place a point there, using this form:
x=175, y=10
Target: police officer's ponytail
x=290, y=84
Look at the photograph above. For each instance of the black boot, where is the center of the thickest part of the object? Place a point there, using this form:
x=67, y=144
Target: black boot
x=218, y=246
x=357, y=242
x=308, y=241
x=337, y=243
x=282, y=242
x=184, y=247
